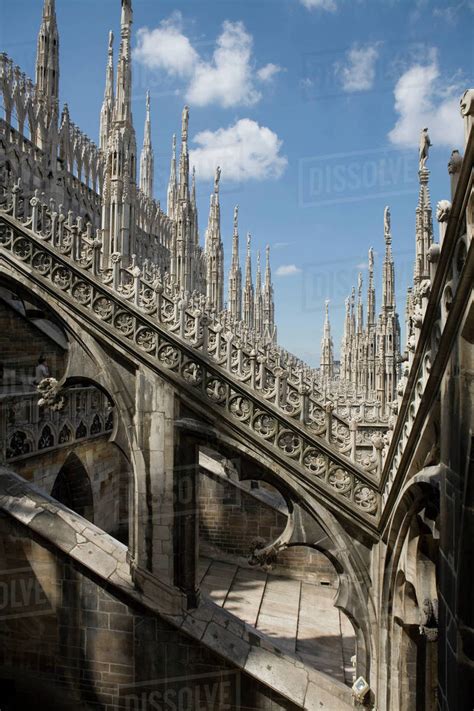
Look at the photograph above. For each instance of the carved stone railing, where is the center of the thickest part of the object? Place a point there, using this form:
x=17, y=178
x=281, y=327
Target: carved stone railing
x=27, y=428
x=351, y=402
x=277, y=377
x=193, y=348
x=443, y=299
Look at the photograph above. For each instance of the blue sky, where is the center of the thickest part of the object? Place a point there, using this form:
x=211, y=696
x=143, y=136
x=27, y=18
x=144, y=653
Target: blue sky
x=312, y=107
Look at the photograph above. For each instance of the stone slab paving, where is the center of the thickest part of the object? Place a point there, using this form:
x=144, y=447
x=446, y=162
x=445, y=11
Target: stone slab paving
x=245, y=595
x=298, y=617
x=279, y=611
x=319, y=631
x=217, y=581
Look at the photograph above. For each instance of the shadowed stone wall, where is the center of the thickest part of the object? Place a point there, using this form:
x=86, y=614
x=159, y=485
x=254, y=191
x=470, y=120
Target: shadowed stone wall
x=68, y=643
x=456, y=586
x=21, y=344
x=108, y=472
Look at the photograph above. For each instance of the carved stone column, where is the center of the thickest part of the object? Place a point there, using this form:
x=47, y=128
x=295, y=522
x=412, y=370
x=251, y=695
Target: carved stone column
x=152, y=542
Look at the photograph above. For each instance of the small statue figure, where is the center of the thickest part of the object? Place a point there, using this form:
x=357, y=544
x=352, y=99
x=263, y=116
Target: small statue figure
x=217, y=179
x=184, y=127
x=429, y=619
x=386, y=220
x=425, y=145
x=443, y=208
x=455, y=162
x=50, y=391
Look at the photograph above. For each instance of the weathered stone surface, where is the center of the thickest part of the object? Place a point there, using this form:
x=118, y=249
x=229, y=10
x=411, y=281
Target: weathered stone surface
x=281, y=674
x=320, y=698
x=51, y=526
x=226, y=643
x=94, y=558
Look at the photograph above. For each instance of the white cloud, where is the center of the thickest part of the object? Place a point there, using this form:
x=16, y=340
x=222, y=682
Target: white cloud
x=451, y=13
x=362, y=265
x=244, y=151
x=423, y=98
x=357, y=73
x=227, y=79
x=287, y=270
x=166, y=47
x=447, y=14
x=329, y=5
x=267, y=72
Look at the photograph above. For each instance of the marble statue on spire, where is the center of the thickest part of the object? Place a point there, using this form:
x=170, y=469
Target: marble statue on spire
x=217, y=179
x=386, y=221
x=185, y=124
x=425, y=145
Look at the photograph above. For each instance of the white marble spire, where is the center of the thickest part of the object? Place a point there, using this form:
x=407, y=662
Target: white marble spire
x=147, y=161
x=269, y=329
x=172, y=184
x=248, y=292
x=388, y=275
x=235, y=274
x=424, y=218
x=183, y=187
x=47, y=56
x=327, y=358
x=258, y=299
x=123, y=111
x=107, y=111
x=214, y=250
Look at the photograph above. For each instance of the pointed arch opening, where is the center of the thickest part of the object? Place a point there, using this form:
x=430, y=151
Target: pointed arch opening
x=72, y=488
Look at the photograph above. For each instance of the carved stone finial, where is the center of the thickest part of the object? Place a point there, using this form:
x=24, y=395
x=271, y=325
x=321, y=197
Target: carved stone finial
x=377, y=441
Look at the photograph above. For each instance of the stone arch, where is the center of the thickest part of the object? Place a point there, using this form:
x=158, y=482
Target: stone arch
x=87, y=364
x=311, y=521
x=72, y=488
x=245, y=534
